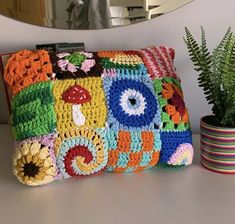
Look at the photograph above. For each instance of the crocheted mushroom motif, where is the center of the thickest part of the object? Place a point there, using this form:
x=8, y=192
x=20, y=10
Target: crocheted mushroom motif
x=77, y=95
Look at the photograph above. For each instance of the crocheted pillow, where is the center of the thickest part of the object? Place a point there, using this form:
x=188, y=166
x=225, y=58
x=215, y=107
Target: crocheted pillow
x=76, y=114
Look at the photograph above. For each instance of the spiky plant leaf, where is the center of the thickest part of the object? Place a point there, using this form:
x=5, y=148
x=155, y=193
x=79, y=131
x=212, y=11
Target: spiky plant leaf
x=216, y=73
x=228, y=80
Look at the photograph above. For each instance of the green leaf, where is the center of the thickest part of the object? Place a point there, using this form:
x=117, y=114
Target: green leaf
x=216, y=73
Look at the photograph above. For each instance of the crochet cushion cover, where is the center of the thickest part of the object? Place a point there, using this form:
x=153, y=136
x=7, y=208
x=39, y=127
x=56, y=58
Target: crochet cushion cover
x=76, y=114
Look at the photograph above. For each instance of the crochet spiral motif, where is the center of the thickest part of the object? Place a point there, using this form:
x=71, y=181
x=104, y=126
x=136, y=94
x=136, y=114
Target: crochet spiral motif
x=84, y=153
x=80, y=113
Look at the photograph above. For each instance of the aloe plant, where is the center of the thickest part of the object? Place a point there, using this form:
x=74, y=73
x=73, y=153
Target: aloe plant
x=216, y=74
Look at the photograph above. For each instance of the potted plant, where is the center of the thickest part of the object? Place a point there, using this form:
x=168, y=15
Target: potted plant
x=217, y=78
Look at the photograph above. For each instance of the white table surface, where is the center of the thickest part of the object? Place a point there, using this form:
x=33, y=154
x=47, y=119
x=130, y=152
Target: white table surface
x=189, y=195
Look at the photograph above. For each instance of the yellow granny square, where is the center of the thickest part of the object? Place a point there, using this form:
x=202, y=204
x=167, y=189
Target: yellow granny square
x=79, y=103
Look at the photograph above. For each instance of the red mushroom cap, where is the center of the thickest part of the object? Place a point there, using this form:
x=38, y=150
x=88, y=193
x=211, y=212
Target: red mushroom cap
x=76, y=95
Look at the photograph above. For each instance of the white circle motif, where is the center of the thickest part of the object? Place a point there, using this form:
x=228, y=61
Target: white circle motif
x=132, y=94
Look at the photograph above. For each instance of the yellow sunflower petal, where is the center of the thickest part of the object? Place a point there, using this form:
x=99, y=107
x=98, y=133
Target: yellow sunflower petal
x=28, y=158
x=31, y=179
x=19, y=168
x=25, y=149
x=21, y=180
x=30, y=183
x=47, y=179
x=14, y=161
x=43, y=169
x=51, y=171
x=43, y=153
x=20, y=163
x=48, y=162
x=35, y=158
x=18, y=154
x=35, y=147
x=23, y=160
x=40, y=176
x=25, y=178
x=40, y=163
x=15, y=171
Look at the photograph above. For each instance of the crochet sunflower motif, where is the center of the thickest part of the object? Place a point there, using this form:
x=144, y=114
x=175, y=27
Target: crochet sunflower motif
x=33, y=164
x=81, y=113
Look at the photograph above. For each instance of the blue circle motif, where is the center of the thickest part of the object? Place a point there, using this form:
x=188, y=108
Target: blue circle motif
x=117, y=88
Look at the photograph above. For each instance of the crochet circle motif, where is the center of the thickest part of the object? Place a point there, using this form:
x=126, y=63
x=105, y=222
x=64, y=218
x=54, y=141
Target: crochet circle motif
x=132, y=103
x=34, y=161
x=82, y=155
x=72, y=156
x=182, y=156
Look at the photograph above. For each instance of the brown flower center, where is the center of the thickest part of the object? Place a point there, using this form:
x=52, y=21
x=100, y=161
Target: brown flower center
x=31, y=169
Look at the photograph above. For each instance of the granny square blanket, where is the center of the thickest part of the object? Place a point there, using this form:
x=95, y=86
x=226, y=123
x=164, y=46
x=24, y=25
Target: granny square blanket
x=80, y=113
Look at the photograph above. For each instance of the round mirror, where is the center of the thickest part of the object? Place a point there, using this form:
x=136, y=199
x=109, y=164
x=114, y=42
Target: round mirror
x=87, y=14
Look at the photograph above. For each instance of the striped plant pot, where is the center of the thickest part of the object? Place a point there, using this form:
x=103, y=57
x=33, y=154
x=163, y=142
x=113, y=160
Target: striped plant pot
x=217, y=147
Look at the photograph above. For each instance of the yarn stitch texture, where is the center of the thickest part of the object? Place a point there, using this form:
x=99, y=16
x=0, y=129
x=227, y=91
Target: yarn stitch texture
x=132, y=104
x=132, y=150
x=81, y=152
x=81, y=113
x=171, y=140
x=33, y=111
x=94, y=109
x=25, y=68
x=34, y=160
x=174, y=114
x=76, y=65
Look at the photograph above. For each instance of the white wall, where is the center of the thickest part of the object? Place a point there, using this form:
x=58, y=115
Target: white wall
x=168, y=29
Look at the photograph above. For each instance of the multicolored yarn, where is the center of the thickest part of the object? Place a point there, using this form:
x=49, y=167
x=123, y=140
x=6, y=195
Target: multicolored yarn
x=94, y=110
x=159, y=61
x=174, y=114
x=33, y=111
x=120, y=59
x=132, y=104
x=34, y=161
x=81, y=152
x=80, y=113
x=75, y=61
x=25, y=68
x=182, y=156
x=76, y=65
x=171, y=141
x=132, y=150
